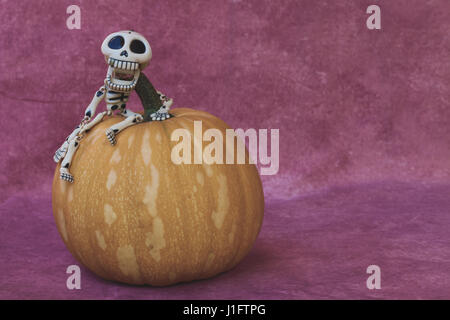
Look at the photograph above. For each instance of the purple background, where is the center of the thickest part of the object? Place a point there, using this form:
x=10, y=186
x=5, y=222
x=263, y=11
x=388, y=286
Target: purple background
x=364, y=120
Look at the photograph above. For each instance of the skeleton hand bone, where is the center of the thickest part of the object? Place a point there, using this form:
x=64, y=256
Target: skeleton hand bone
x=163, y=112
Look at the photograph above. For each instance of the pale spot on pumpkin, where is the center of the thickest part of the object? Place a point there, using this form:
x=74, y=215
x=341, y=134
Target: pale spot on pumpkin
x=158, y=137
x=223, y=203
x=178, y=212
x=127, y=261
x=209, y=171
x=146, y=150
x=151, y=192
x=97, y=136
x=112, y=177
x=155, y=239
x=116, y=157
x=70, y=195
x=100, y=239
x=62, y=224
x=110, y=215
x=130, y=141
x=209, y=260
x=62, y=185
x=195, y=188
x=200, y=178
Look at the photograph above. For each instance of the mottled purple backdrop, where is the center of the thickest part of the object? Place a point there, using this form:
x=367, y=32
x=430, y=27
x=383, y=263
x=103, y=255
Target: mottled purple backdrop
x=364, y=121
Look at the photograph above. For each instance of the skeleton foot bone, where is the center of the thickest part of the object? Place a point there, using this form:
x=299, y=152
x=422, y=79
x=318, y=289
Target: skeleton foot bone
x=111, y=135
x=66, y=176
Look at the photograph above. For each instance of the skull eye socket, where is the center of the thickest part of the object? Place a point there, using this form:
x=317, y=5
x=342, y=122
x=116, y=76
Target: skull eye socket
x=116, y=42
x=137, y=46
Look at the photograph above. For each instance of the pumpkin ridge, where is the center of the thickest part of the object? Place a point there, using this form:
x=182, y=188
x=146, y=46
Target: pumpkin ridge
x=98, y=178
x=211, y=235
x=207, y=181
x=209, y=125
x=179, y=274
x=97, y=260
x=214, y=237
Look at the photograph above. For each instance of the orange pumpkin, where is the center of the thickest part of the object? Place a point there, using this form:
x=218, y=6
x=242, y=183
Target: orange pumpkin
x=134, y=216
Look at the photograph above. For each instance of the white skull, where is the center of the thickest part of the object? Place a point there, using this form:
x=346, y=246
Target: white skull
x=127, y=53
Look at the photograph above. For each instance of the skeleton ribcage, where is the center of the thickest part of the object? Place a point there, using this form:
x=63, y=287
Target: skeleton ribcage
x=116, y=98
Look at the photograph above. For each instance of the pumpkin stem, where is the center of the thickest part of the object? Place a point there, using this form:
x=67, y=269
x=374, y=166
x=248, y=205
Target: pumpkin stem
x=148, y=96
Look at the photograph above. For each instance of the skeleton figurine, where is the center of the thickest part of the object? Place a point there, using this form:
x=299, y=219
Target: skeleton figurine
x=127, y=54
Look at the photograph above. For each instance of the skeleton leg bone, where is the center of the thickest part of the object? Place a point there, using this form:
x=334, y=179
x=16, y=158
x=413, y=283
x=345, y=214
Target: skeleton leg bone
x=64, y=170
x=61, y=152
x=90, y=110
x=94, y=122
x=71, y=145
x=132, y=118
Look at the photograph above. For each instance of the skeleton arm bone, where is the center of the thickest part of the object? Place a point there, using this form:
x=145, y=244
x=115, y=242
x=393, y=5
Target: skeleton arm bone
x=90, y=111
x=98, y=97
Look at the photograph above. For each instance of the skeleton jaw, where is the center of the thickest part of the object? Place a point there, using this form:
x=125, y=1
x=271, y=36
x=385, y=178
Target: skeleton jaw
x=122, y=75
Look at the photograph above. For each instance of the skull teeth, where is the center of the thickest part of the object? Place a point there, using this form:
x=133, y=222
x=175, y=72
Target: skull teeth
x=124, y=65
x=120, y=87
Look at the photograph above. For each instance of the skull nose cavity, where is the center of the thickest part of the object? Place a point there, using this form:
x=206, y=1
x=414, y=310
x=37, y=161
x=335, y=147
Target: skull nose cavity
x=124, y=53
